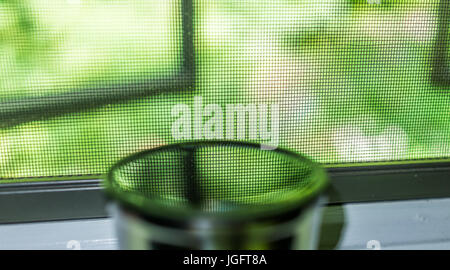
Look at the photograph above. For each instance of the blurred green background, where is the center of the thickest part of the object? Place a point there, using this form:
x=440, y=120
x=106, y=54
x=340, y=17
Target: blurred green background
x=351, y=78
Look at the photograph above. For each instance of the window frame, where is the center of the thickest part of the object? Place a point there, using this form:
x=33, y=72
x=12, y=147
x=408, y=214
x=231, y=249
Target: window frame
x=64, y=198
x=18, y=111
x=440, y=75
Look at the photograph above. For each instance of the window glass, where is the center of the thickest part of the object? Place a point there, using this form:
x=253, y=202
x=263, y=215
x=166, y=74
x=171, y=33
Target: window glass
x=352, y=79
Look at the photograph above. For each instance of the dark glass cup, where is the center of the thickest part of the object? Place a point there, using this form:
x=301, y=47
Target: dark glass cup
x=216, y=195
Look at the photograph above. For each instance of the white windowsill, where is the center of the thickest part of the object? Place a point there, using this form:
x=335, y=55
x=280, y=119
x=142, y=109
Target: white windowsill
x=418, y=224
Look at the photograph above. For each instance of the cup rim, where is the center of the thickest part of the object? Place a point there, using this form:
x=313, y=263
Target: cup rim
x=154, y=212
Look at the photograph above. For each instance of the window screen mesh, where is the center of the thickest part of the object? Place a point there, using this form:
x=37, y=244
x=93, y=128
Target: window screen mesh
x=354, y=80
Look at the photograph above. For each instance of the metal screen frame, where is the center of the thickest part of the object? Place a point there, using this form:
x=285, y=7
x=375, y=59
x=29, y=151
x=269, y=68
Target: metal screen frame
x=78, y=197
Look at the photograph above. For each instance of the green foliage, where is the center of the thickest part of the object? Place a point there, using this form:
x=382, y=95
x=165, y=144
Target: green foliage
x=334, y=66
